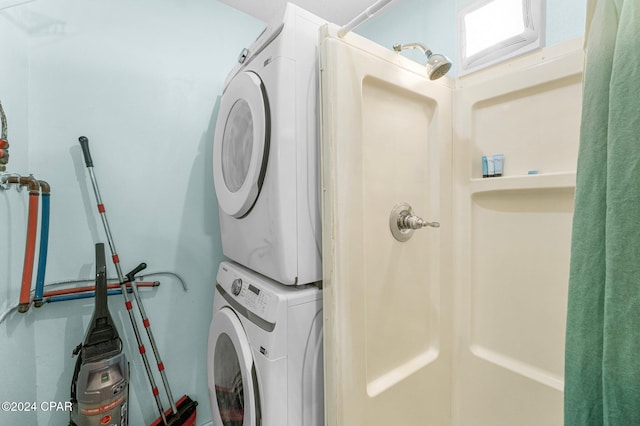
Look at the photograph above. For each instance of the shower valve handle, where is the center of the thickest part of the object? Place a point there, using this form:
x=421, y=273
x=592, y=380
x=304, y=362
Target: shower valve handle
x=410, y=221
x=402, y=222
x=84, y=143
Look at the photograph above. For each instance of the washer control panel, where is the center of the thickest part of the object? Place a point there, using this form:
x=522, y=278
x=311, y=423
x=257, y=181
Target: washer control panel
x=247, y=292
x=255, y=299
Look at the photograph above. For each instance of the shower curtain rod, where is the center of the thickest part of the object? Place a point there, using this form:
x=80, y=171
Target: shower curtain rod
x=363, y=17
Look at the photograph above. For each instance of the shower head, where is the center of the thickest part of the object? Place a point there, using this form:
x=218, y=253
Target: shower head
x=437, y=64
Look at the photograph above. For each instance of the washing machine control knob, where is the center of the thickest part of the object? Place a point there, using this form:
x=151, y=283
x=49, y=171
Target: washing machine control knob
x=236, y=286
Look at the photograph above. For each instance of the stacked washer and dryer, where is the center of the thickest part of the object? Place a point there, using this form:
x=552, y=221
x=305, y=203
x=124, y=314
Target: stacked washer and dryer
x=265, y=363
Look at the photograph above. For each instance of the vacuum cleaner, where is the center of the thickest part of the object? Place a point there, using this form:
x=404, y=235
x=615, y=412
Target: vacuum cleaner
x=100, y=385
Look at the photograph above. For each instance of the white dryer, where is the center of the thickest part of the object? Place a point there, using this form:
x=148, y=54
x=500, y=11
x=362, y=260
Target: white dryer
x=265, y=352
x=266, y=154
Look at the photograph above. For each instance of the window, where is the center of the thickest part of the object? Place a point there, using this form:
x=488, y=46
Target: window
x=493, y=31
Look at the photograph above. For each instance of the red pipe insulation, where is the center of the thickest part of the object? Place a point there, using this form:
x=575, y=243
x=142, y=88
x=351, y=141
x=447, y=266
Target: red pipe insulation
x=30, y=246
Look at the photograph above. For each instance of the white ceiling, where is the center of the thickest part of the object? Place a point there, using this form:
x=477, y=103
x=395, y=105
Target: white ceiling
x=337, y=11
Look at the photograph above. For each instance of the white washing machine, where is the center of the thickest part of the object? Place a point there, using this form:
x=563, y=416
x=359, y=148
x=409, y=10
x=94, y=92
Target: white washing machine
x=265, y=365
x=266, y=154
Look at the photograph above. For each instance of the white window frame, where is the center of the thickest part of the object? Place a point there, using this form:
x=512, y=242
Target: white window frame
x=530, y=39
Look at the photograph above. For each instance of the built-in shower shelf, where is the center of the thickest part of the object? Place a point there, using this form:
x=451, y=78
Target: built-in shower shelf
x=539, y=181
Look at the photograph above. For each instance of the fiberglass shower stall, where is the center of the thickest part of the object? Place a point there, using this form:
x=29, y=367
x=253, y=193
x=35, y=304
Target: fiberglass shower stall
x=463, y=324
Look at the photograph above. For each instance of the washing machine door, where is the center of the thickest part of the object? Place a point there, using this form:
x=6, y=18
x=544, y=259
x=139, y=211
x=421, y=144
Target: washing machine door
x=241, y=144
x=235, y=399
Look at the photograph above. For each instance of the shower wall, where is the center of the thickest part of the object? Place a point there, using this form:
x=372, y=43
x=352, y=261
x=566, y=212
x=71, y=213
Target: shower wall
x=512, y=233
x=491, y=321
x=386, y=140
x=512, y=236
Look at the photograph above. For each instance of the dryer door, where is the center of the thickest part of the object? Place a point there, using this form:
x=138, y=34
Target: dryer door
x=235, y=397
x=241, y=144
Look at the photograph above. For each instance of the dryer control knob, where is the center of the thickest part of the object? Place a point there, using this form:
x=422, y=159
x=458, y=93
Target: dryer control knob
x=236, y=286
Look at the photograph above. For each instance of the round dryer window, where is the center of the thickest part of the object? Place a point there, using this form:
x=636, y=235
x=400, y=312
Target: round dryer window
x=241, y=144
x=237, y=141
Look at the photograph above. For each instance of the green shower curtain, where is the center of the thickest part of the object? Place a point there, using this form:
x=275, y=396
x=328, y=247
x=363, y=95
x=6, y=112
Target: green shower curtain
x=602, y=361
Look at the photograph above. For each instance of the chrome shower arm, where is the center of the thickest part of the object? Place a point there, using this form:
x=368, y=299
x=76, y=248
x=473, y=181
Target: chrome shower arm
x=399, y=47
